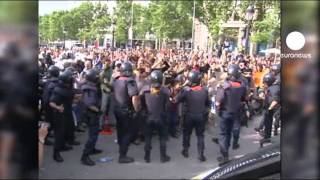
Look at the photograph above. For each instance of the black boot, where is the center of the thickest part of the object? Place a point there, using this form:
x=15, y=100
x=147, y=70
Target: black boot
x=147, y=156
x=85, y=159
x=201, y=157
x=275, y=132
x=125, y=159
x=222, y=160
x=79, y=129
x=47, y=142
x=215, y=140
x=257, y=129
x=235, y=145
x=136, y=142
x=164, y=157
x=57, y=157
x=66, y=148
x=95, y=151
x=74, y=143
x=185, y=153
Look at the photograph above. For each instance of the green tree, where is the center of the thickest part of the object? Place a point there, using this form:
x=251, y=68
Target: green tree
x=84, y=22
x=55, y=26
x=44, y=22
x=171, y=19
x=267, y=25
x=141, y=25
x=123, y=21
x=214, y=14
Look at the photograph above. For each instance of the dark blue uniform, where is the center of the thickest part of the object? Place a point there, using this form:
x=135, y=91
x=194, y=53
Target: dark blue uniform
x=273, y=94
x=196, y=103
x=230, y=97
x=124, y=89
x=278, y=108
x=91, y=97
x=61, y=95
x=243, y=120
x=70, y=137
x=156, y=106
x=47, y=92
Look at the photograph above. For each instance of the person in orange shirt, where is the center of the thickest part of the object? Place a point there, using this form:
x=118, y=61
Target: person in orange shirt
x=257, y=76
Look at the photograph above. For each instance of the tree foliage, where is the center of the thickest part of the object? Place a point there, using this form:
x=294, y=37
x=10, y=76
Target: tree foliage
x=267, y=26
x=166, y=19
x=171, y=19
x=84, y=22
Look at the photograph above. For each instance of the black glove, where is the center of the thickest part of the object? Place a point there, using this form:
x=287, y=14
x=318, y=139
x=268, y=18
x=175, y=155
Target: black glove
x=135, y=115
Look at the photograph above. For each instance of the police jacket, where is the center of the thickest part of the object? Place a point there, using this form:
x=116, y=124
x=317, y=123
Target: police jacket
x=230, y=96
x=278, y=80
x=91, y=95
x=273, y=94
x=155, y=104
x=244, y=82
x=48, y=89
x=62, y=95
x=196, y=99
x=124, y=89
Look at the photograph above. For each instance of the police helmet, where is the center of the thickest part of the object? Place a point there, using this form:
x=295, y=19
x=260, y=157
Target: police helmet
x=156, y=78
x=53, y=71
x=179, y=79
x=92, y=76
x=276, y=68
x=126, y=69
x=72, y=69
x=240, y=57
x=233, y=72
x=194, y=77
x=66, y=77
x=269, y=79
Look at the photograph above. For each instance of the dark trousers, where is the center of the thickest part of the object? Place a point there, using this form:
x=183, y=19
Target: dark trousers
x=125, y=130
x=159, y=126
x=70, y=128
x=261, y=124
x=268, y=118
x=196, y=121
x=49, y=117
x=59, y=131
x=93, y=133
x=228, y=120
x=277, y=118
x=138, y=127
x=173, y=122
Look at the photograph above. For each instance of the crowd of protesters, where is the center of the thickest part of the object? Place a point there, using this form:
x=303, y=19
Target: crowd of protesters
x=174, y=64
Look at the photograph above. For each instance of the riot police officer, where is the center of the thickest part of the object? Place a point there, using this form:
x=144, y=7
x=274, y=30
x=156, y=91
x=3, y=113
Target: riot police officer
x=196, y=99
x=126, y=107
x=52, y=82
x=275, y=69
x=272, y=100
x=70, y=137
x=61, y=103
x=228, y=106
x=92, y=101
x=155, y=100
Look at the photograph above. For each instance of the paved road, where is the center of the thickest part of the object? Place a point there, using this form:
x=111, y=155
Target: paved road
x=179, y=167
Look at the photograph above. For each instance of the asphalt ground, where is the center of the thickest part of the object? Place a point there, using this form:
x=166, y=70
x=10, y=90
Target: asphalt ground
x=178, y=168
